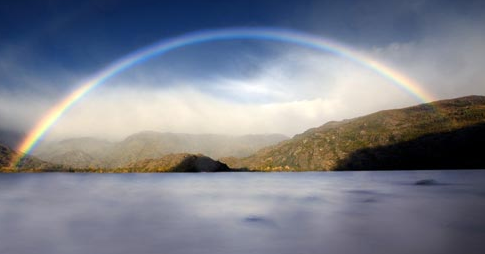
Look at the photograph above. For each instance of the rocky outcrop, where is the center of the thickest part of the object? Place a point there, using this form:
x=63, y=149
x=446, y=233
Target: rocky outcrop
x=182, y=162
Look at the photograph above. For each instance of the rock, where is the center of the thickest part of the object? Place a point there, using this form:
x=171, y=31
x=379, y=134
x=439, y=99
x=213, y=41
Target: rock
x=259, y=221
x=206, y=164
x=179, y=163
x=426, y=182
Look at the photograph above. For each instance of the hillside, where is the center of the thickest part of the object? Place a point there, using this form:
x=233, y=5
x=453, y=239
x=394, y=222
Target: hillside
x=76, y=153
x=457, y=149
x=375, y=141
x=96, y=153
x=182, y=162
x=445, y=134
x=28, y=163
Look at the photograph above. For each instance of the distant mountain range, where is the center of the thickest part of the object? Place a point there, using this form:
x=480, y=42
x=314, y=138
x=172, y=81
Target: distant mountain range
x=181, y=162
x=97, y=153
x=447, y=134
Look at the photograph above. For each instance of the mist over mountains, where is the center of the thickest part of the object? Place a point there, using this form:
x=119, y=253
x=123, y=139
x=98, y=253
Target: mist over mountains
x=445, y=134
x=97, y=153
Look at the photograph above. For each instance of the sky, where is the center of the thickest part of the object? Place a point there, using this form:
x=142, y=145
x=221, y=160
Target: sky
x=49, y=48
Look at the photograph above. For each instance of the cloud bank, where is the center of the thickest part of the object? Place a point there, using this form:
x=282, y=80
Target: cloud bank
x=288, y=93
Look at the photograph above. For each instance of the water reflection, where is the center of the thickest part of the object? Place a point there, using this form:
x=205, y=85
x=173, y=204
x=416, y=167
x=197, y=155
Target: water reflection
x=348, y=212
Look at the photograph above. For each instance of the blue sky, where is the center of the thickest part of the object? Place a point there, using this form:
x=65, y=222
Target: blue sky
x=86, y=35
x=48, y=47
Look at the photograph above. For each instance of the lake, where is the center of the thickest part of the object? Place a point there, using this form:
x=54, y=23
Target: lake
x=274, y=213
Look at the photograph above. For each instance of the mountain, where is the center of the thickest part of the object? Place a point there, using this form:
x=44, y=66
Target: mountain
x=182, y=162
x=446, y=134
x=442, y=134
x=76, y=153
x=96, y=153
x=28, y=163
x=6, y=155
x=457, y=149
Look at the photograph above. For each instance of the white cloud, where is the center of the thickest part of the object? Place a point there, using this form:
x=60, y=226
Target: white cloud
x=448, y=62
x=290, y=93
x=288, y=98
x=298, y=91
x=19, y=111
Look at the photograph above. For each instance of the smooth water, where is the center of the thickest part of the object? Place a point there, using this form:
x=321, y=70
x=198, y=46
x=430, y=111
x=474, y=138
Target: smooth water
x=338, y=212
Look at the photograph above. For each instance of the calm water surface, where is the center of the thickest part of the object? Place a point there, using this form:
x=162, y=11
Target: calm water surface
x=339, y=212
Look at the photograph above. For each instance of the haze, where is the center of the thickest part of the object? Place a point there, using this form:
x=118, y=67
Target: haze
x=240, y=87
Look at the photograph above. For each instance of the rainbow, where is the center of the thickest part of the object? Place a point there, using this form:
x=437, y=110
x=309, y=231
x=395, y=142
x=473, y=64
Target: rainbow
x=272, y=34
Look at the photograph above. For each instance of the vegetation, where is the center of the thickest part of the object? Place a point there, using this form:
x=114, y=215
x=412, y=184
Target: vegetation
x=97, y=153
x=440, y=135
x=182, y=162
x=335, y=145
x=26, y=164
x=457, y=149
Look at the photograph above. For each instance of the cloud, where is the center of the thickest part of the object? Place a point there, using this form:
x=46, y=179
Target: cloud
x=287, y=93
x=449, y=59
x=284, y=97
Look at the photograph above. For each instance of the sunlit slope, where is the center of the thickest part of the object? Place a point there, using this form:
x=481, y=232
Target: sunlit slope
x=374, y=141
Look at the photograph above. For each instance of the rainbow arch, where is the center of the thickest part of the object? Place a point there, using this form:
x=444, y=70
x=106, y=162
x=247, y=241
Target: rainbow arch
x=273, y=34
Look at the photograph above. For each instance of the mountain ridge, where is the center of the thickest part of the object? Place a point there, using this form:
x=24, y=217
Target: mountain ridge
x=426, y=136
x=323, y=147
x=96, y=153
